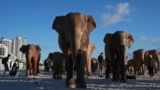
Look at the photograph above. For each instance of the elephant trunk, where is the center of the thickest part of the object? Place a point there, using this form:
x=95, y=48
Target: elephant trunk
x=75, y=44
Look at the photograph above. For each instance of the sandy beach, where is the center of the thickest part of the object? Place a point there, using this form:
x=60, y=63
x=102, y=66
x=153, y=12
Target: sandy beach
x=45, y=82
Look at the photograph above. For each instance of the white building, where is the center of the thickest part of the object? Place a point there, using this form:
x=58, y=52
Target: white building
x=7, y=43
x=3, y=51
x=16, y=45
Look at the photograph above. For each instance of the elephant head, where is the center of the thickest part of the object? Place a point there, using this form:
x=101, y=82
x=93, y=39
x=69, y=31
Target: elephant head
x=25, y=48
x=129, y=40
x=74, y=30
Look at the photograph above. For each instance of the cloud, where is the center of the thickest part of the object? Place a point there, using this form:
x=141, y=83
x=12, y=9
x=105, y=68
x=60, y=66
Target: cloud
x=115, y=14
x=143, y=38
x=154, y=41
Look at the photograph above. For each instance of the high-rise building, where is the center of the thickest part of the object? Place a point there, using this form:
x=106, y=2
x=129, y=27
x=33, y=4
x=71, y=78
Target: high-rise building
x=16, y=45
x=3, y=51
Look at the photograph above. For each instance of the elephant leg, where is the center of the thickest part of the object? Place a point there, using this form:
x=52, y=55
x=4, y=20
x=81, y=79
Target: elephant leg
x=28, y=69
x=28, y=72
x=115, y=68
x=88, y=64
x=69, y=68
x=122, y=71
x=55, y=76
x=57, y=72
x=114, y=71
x=34, y=65
x=121, y=60
x=108, y=68
x=60, y=71
x=80, y=82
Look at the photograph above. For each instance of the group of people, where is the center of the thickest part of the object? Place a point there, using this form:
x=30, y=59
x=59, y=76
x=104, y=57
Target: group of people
x=14, y=70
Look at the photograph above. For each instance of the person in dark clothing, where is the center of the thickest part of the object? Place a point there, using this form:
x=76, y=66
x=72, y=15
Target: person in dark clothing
x=100, y=61
x=14, y=70
x=150, y=66
x=5, y=63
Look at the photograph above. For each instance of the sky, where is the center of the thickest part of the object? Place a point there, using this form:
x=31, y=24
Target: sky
x=32, y=19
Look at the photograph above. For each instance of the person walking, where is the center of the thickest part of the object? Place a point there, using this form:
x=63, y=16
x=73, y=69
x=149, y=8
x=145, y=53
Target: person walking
x=150, y=66
x=100, y=61
x=5, y=63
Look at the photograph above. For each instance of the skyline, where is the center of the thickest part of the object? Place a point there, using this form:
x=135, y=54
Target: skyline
x=33, y=20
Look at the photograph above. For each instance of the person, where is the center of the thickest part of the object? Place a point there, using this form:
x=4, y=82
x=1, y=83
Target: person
x=47, y=65
x=100, y=61
x=150, y=65
x=14, y=70
x=5, y=63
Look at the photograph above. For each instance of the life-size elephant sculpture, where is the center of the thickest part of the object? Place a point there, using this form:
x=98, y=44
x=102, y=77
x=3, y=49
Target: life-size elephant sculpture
x=74, y=30
x=94, y=64
x=156, y=58
x=115, y=53
x=58, y=64
x=130, y=67
x=33, y=55
x=91, y=48
x=139, y=57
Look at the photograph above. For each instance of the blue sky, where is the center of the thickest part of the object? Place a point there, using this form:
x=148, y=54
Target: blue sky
x=32, y=19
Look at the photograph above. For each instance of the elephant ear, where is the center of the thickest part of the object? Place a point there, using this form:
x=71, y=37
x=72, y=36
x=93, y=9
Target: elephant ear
x=59, y=24
x=130, y=40
x=38, y=48
x=90, y=23
x=94, y=47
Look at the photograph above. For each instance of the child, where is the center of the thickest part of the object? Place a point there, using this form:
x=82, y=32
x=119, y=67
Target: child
x=14, y=70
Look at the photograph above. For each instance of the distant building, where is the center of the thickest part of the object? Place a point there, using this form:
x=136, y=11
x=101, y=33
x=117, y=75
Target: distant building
x=3, y=51
x=16, y=45
x=7, y=43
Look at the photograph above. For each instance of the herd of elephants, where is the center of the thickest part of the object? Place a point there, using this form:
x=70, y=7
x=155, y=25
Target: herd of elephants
x=73, y=37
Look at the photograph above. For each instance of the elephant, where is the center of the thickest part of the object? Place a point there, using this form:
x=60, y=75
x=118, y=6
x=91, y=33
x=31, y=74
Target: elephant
x=139, y=57
x=58, y=64
x=73, y=37
x=91, y=48
x=130, y=66
x=33, y=54
x=156, y=58
x=115, y=54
